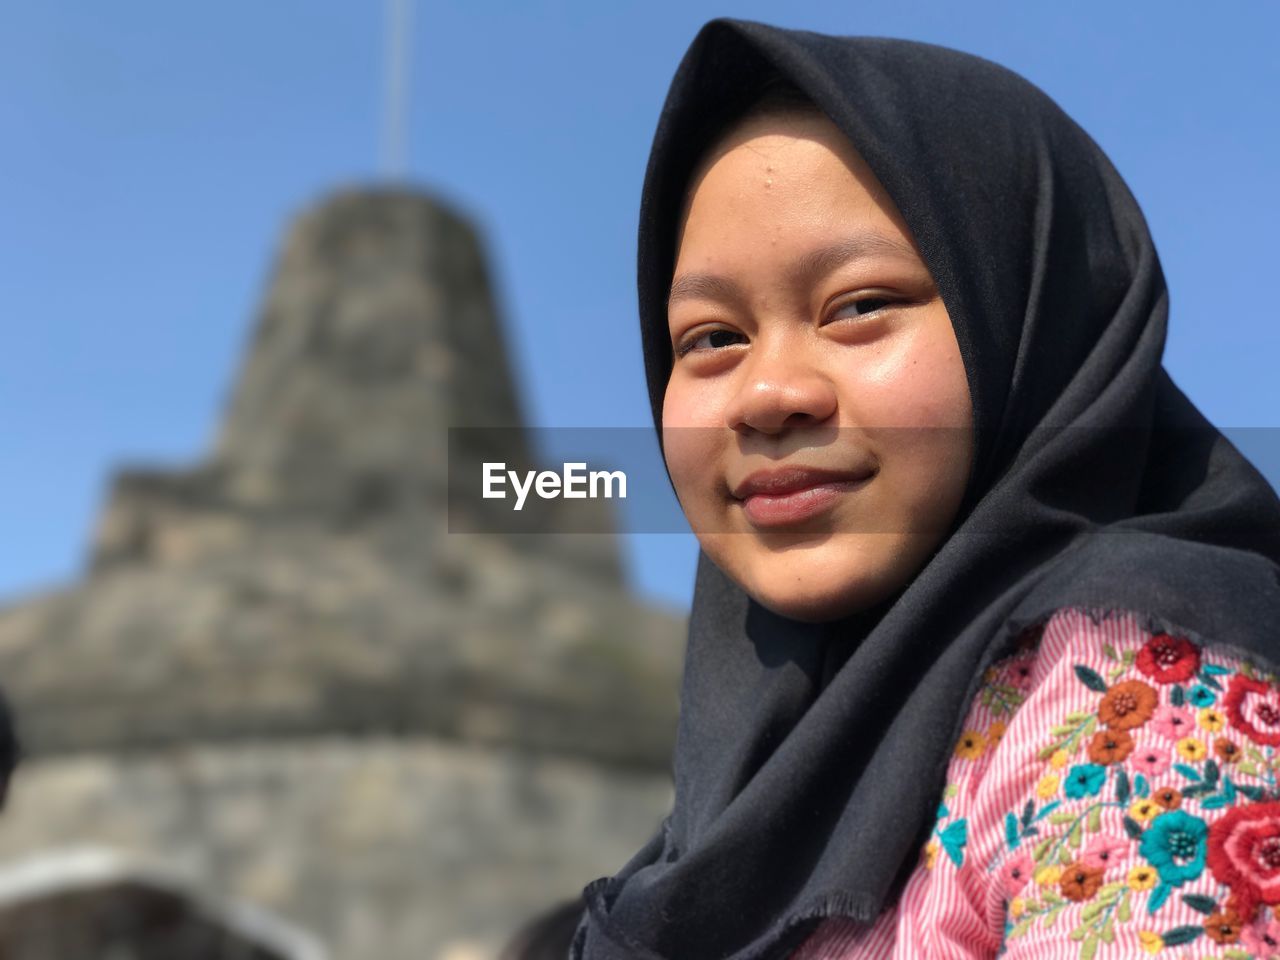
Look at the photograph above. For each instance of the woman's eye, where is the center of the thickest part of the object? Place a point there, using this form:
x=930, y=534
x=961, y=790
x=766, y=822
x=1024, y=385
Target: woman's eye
x=713, y=339
x=864, y=306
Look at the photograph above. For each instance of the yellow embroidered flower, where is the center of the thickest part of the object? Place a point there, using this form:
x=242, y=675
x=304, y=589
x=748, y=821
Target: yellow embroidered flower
x=1142, y=878
x=970, y=745
x=1059, y=759
x=1017, y=907
x=1211, y=719
x=1151, y=941
x=995, y=732
x=1189, y=748
x=1048, y=876
x=930, y=854
x=1144, y=810
x=1048, y=786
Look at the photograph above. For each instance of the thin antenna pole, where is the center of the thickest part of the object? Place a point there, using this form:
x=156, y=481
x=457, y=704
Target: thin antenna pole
x=394, y=138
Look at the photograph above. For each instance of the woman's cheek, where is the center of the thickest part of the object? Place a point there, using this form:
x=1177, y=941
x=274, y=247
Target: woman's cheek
x=691, y=438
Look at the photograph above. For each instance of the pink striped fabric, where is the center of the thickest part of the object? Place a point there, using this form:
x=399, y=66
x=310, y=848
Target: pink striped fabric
x=1100, y=769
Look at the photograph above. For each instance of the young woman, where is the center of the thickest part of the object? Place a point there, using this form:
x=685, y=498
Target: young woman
x=985, y=609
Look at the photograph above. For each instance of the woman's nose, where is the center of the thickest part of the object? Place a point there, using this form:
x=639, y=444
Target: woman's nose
x=780, y=390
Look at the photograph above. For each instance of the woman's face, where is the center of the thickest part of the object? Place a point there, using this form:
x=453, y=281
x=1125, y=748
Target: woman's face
x=807, y=333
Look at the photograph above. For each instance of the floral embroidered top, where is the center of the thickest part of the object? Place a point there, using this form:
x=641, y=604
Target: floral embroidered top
x=1113, y=795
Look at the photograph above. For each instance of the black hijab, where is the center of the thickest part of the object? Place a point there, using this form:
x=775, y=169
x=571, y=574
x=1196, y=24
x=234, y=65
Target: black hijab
x=809, y=759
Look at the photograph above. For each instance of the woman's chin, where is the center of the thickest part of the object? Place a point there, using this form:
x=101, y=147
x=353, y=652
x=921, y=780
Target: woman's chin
x=814, y=596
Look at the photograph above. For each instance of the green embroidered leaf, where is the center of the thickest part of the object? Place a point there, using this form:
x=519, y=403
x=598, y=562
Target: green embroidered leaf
x=1021, y=927
x=1253, y=793
x=1177, y=696
x=1110, y=652
x=1089, y=948
x=954, y=839
x=1061, y=817
x=1123, y=910
x=1090, y=678
x=1122, y=785
x=1191, y=773
x=1095, y=819
x=1109, y=930
x=1200, y=903
x=1181, y=935
x=1092, y=911
x=1132, y=828
x=1250, y=768
x=1211, y=771
x=1047, y=809
x=1075, y=837
x=1051, y=917
x=1028, y=813
x=1209, y=681
x=1041, y=849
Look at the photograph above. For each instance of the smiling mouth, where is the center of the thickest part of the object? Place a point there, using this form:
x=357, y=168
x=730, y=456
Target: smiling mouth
x=796, y=506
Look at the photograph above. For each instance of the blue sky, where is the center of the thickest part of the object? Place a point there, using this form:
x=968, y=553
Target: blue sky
x=154, y=151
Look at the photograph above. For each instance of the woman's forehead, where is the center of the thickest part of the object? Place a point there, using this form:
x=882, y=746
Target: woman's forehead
x=796, y=181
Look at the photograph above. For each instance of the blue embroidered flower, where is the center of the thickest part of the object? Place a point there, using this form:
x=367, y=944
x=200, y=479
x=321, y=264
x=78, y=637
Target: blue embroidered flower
x=1201, y=696
x=1175, y=844
x=1084, y=780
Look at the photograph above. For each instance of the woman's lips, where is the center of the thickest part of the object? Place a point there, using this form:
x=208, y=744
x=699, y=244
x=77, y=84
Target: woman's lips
x=773, y=510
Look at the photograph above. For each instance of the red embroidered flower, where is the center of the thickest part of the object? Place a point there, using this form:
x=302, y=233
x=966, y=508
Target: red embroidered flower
x=1128, y=704
x=1110, y=746
x=1223, y=926
x=1079, y=881
x=1228, y=751
x=1253, y=707
x=1168, y=798
x=1244, y=853
x=1167, y=659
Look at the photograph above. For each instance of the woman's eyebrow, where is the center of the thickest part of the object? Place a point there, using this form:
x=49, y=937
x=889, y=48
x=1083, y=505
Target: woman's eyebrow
x=814, y=264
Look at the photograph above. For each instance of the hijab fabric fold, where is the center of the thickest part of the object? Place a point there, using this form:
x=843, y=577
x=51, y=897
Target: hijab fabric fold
x=810, y=758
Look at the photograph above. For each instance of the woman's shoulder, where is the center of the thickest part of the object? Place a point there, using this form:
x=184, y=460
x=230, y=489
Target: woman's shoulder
x=1112, y=793
x=1116, y=785
x=1076, y=655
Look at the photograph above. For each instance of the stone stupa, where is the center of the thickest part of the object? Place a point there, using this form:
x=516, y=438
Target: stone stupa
x=286, y=712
